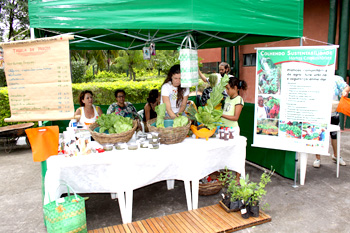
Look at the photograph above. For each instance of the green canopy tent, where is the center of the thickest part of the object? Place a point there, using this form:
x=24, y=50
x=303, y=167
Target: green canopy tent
x=126, y=24
x=132, y=24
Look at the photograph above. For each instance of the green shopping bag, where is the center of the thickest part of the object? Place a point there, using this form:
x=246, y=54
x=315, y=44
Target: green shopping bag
x=66, y=214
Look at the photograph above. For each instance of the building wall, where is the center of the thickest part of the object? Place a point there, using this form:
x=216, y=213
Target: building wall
x=316, y=20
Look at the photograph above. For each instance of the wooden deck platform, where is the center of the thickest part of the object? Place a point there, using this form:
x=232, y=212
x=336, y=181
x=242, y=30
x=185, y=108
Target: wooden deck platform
x=207, y=219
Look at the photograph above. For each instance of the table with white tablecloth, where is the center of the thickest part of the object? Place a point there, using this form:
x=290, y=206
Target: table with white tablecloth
x=106, y=172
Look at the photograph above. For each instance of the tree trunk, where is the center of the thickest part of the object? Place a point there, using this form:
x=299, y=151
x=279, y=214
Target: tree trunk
x=131, y=71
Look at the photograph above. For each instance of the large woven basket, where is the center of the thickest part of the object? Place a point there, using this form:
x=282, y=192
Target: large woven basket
x=103, y=138
x=210, y=188
x=169, y=135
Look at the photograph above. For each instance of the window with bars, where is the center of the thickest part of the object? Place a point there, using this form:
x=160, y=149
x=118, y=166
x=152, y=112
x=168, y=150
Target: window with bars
x=249, y=59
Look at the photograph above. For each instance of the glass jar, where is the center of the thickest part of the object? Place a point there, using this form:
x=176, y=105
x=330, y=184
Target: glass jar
x=120, y=146
x=133, y=146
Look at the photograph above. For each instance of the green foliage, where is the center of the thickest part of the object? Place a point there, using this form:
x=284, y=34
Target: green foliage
x=14, y=17
x=259, y=190
x=246, y=190
x=114, y=123
x=2, y=78
x=180, y=121
x=130, y=59
x=136, y=92
x=78, y=71
x=5, y=109
x=160, y=110
x=208, y=115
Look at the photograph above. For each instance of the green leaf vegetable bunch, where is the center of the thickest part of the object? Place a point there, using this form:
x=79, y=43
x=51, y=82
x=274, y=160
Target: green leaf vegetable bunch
x=180, y=121
x=208, y=115
x=160, y=110
x=114, y=123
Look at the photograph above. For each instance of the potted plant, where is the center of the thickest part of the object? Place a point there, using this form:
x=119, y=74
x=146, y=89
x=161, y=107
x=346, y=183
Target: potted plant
x=230, y=199
x=243, y=195
x=258, y=192
x=208, y=116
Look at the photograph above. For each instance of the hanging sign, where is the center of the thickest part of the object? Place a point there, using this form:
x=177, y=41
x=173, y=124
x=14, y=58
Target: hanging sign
x=39, y=79
x=188, y=62
x=293, y=98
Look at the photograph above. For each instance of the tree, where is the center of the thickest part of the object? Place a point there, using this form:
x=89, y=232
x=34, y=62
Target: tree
x=102, y=58
x=15, y=20
x=131, y=59
x=165, y=59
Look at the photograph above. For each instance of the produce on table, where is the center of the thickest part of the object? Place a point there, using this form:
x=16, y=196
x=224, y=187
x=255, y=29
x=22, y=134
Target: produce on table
x=114, y=123
x=208, y=115
x=180, y=121
x=160, y=110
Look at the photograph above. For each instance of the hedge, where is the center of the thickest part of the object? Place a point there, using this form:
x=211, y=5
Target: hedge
x=136, y=92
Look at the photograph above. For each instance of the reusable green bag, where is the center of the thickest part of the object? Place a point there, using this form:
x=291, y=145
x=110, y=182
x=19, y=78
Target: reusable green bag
x=66, y=214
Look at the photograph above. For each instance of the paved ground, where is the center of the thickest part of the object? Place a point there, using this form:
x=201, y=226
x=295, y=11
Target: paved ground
x=321, y=205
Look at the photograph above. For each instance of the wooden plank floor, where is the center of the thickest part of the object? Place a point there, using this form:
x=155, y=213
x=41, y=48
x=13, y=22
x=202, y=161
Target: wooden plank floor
x=207, y=219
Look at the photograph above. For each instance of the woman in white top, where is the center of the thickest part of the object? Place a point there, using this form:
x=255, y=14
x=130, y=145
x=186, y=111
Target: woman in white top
x=87, y=113
x=174, y=97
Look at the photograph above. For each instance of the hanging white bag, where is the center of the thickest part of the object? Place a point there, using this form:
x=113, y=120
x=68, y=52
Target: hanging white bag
x=188, y=62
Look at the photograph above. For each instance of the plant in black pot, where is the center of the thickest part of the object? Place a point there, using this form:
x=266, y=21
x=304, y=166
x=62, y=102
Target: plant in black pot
x=259, y=190
x=236, y=194
x=230, y=200
x=244, y=192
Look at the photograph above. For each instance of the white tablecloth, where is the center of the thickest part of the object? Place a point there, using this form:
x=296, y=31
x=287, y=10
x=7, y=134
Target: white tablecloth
x=119, y=171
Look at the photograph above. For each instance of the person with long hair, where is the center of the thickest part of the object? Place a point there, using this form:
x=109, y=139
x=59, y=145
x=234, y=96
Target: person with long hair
x=87, y=113
x=174, y=97
x=149, y=109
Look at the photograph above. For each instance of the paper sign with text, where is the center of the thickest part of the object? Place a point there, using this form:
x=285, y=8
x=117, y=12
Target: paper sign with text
x=39, y=79
x=293, y=98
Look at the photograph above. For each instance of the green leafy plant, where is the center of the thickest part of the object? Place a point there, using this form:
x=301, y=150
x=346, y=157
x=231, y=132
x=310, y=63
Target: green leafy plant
x=114, y=123
x=180, y=121
x=259, y=189
x=245, y=190
x=208, y=115
x=160, y=110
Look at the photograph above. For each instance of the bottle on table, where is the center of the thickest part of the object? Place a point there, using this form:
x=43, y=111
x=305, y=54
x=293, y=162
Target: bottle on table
x=221, y=133
x=226, y=135
x=231, y=132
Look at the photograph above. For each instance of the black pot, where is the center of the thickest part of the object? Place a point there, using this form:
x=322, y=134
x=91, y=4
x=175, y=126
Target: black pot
x=245, y=212
x=236, y=205
x=254, y=211
x=226, y=201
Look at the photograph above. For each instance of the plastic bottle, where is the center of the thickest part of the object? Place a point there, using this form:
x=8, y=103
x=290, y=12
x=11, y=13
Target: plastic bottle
x=226, y=135
x=231, y=133
x=221, y=132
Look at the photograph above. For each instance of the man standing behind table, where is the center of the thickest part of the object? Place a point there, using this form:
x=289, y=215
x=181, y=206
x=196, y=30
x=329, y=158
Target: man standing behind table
x=341, y=88
x=224, y=68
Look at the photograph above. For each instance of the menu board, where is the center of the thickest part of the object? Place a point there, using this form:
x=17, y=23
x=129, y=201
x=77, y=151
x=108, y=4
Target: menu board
x=293, y=98
x=39, y=79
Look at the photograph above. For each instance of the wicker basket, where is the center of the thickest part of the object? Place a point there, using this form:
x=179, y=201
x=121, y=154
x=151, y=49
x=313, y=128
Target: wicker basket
x=103, y=138
x=169, y=135
x=210, y=188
